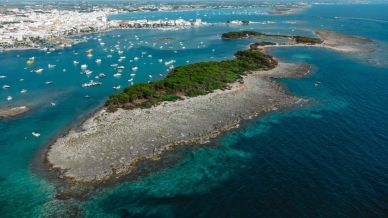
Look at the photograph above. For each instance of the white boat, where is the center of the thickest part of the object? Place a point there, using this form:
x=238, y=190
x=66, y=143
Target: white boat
x=117, y=75
x=84, y=66
x=135, y=58
x=75, y=62
x=50, y=66
x=53, y=104
x=40, y=70
x=48, y=82
x=23, y=91
x=9, y=98
x=21, y=80
x=120, y=67
x=91, y=83
x=90, y=55
x=6, y=86
x=114, y=65
x=160, y=60
x=88, y=72
x=36, y=134
x=123, y=57
x=101, y=75
x=98, y=61
x=109, y=56
x=117, y=87
x=3, y=77
x=135, y=68
x=169, y=62
x=133, y=74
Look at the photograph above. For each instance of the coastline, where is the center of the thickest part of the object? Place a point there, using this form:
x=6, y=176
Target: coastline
x=112, y=143
x=330, y=40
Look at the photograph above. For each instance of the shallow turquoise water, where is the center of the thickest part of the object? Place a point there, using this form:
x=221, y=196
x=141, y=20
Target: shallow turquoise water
x=324, y=160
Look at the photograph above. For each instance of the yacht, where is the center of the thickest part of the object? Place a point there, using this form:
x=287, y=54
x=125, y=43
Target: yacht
x=98, y=61
x=6, y=86
x=36, y=134
x=109, y=56
x=88, y=72
x=9, y=98
x=101, y=75
x=117, y=87
x=117, y=75
x=135, y=68
x=135, y=58
x=91, y=83
x=84, y=66
x=160, y=60
x=133, y=74
x=120, y=68
x=90, y=55
x=40, y=70
x=50, y=66
x=53, y=104
x=169, y=62
x=49, y=82
x=75, y=62
x=23, y=91
x=3, y=77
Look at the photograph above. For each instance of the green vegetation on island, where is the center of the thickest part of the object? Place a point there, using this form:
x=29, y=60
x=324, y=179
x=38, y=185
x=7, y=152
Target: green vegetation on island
x=191, y=80
x=262, y=43
x=254, y=34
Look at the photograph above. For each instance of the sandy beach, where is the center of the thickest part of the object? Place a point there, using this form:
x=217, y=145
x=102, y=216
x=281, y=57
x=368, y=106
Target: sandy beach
x=109, y=145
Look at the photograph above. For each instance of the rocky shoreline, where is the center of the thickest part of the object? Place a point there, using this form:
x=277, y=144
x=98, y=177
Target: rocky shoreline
x=108, y=145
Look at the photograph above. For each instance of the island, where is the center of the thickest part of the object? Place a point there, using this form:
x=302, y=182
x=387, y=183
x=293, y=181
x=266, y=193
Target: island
x=326, y=39
x=193, y=104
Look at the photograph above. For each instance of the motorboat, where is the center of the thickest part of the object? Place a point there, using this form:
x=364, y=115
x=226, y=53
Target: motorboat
x=90, y=84
x=84, y=66
x=36, y=134
x=118, y=87
x=117, y=75
x=40, y=70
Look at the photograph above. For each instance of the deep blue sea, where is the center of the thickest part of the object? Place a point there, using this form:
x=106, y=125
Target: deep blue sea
x=329, y=159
